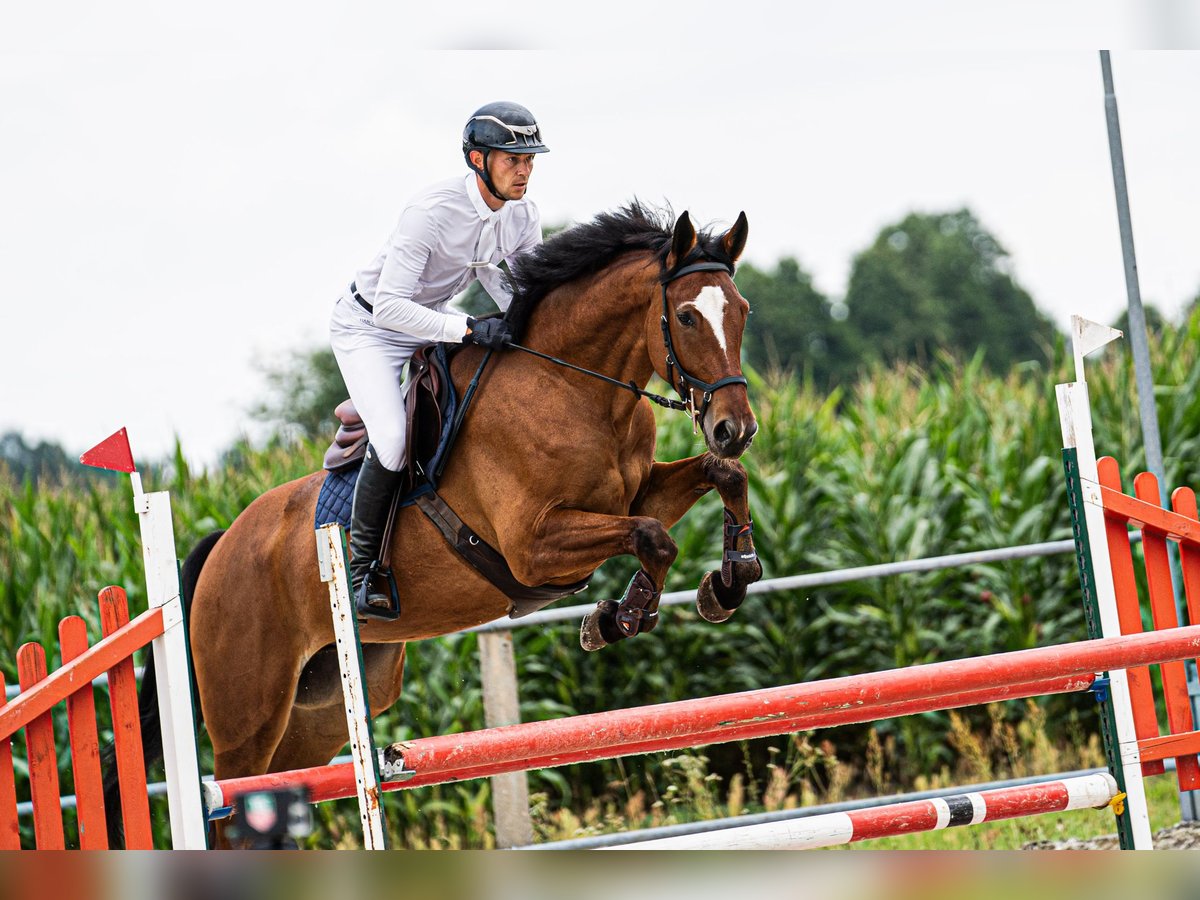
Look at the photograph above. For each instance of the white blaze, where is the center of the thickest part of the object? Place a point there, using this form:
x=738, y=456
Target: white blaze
x=710, y=303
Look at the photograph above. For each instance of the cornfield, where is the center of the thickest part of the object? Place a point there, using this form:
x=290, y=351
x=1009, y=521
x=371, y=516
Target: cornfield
x=908, y=463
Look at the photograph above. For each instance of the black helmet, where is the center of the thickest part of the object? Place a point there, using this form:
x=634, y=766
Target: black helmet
x=500, y=126
x=503, y=126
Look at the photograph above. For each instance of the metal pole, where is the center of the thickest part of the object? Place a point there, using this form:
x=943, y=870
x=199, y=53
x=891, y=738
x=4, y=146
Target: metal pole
x=1189, y=802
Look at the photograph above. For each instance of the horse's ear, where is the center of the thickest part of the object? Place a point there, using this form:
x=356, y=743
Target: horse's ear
x=734, y=240
x=683, y=241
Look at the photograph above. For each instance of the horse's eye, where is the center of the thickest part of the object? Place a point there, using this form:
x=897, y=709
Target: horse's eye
x=685, y=319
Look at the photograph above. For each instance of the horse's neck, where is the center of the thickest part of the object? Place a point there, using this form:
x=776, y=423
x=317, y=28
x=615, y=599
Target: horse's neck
x=600, y=325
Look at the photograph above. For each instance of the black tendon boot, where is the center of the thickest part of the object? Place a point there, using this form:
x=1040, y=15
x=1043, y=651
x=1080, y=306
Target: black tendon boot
x=373, y=588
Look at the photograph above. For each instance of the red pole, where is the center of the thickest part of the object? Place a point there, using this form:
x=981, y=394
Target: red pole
x=335, y=782
x=687, y=723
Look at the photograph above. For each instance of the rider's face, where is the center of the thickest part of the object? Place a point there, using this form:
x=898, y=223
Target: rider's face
x=510, y=173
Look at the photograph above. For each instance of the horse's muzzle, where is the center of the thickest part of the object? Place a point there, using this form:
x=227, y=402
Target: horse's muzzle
x=730, y=437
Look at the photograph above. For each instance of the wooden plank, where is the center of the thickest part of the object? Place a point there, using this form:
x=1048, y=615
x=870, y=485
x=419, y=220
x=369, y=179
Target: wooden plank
x=1171, y=745
x=127, y=729
x=65, y=681
x=43, y=757
x=10, y=826
x=1129, y=613
x=85, y=743
x=1183, y=500
x=1162, y=607
x=1141, y=513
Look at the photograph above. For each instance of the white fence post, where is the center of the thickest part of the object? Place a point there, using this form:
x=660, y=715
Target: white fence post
x=173, y=669
x=1075, y=418
x=331, y=556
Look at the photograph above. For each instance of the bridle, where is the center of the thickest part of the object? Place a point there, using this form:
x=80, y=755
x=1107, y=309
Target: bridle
x=687, y=384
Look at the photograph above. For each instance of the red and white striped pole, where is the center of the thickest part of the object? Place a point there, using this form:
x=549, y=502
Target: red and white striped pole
x=1084, y=792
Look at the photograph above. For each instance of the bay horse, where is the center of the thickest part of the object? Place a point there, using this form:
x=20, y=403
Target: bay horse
x=552, y=468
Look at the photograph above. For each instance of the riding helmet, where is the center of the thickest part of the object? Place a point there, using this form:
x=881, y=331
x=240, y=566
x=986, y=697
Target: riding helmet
x=503, y=126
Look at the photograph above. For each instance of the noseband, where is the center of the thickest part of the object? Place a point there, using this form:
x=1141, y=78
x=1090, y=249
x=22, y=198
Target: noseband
x=687, y=384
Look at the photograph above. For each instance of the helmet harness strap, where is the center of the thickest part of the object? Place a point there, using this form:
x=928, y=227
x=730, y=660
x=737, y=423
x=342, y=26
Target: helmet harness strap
x=485, y=175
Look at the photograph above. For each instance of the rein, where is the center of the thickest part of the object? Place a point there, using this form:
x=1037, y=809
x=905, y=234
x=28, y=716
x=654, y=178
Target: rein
x=687, y=384
x=666, y=402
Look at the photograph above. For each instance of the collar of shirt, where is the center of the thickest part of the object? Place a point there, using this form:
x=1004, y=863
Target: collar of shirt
x=473, y=194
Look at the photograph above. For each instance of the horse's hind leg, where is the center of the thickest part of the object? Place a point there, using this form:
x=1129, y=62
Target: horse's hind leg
x=672, y=490
x=246, y=730
x=246, y=733
x=317, y=730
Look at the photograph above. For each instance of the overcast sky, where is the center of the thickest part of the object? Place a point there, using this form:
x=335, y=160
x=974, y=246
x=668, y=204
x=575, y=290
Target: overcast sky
x=183, y=197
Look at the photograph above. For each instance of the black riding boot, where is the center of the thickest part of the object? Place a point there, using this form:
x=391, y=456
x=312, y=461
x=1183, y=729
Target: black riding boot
x=368, y=520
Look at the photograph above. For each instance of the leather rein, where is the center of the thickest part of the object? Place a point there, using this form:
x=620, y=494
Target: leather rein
x=687, y=384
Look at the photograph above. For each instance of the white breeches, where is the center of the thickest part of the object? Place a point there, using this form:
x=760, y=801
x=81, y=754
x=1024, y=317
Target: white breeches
x=372, y=361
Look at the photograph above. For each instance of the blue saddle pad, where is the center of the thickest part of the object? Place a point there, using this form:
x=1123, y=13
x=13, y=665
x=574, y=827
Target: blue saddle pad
x=336, y=497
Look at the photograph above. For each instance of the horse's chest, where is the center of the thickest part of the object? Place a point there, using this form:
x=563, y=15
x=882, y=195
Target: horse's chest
x=634, y=462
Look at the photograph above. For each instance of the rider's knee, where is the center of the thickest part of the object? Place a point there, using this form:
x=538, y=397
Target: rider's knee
x=388, y=444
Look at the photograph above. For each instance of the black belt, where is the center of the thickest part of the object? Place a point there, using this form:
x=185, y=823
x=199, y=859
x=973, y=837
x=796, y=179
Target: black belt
x=361, y=302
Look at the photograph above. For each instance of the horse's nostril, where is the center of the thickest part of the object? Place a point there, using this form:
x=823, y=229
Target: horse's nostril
x=723, y=432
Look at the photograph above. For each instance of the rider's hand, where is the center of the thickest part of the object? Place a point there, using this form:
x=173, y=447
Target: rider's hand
x=493, y=332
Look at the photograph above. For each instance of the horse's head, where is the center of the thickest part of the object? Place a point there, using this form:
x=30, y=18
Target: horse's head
x=694, y=334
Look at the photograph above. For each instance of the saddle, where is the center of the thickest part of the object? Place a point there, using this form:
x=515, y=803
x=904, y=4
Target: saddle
x=431, y=406
x=430, y=403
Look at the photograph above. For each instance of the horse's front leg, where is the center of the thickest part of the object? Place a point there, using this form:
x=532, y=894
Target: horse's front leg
x=672, y=490
x=575, y=541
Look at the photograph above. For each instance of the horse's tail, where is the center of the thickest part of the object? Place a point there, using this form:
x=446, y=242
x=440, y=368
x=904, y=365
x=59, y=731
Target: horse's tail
x=152, y=747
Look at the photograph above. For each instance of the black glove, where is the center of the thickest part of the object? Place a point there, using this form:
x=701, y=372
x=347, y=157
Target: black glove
x=493, y=332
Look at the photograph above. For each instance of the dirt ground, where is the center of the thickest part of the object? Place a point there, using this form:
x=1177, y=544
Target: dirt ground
x=1184, y=836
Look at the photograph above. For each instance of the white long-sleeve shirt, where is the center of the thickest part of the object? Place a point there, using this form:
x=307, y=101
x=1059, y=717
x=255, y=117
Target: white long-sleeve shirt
x=426, y=261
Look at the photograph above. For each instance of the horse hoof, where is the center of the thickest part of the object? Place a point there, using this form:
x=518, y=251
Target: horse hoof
x=599, y=627
x=590, y=638
x=708, y=602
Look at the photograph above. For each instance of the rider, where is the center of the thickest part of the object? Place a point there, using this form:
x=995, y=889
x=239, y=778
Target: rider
x=449, y=235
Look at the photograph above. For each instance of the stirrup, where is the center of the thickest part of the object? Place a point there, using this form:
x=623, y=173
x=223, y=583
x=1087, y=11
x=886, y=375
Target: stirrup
x=362, y=604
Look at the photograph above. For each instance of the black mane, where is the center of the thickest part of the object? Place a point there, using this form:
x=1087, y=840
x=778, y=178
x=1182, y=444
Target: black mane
x=587, y=248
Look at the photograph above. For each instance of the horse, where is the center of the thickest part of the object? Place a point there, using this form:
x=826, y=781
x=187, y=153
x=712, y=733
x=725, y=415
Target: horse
x=551, y=467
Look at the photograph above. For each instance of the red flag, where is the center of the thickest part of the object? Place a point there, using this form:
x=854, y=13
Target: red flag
x=111, y=453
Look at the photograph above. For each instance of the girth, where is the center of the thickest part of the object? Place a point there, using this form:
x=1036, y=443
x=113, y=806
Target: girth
x=488, y=561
